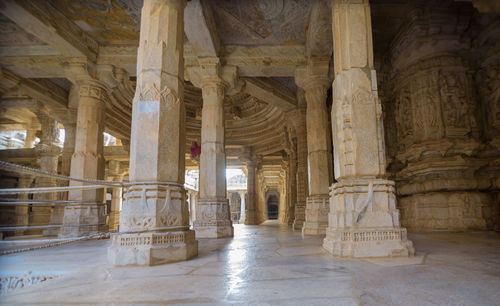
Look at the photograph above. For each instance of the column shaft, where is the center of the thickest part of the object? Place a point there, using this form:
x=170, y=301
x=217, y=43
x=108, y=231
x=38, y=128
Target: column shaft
x=67, y=153
x=243, y=209
x=48, y=155
x=251, y=204
x=22, y=212
x=363, y=219
x=154, y=223
x=213, y=218
x=116, y=205
x=30, y=138
x=87, y=162
x=315, y=82
x=302, y=181
x=292, y=186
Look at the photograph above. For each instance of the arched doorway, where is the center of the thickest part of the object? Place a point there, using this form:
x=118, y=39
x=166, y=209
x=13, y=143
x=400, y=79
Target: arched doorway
x=272, y=207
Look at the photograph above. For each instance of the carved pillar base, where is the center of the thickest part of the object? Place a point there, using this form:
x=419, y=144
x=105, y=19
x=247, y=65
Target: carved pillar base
x=154, y=228
x=364, y=221
x=316, y=215
x=152, y=248
x=81, y=220
x=213, y=219
x=300, y=216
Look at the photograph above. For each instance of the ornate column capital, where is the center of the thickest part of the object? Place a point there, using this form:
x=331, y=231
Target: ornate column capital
x=315, y=74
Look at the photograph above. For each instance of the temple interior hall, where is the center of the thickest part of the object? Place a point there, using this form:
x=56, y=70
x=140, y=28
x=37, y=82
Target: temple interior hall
x=255, y=152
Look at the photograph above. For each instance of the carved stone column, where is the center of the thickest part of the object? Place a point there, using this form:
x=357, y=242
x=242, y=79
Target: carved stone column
x=292, y=183
x=243, y=209
x=314, y=80
x=116, y=204
x=116, y=194
x=193, y=199
x=68, y=149
x=67, y=153
x=154, y=223
x=22, y=212
x=444, y=172
x=87, y=162
x=251, y=204
x=48, y=155
x=302, y=184
x=29, y=141
x=213, y=219
x=488, y=84
x=283, y=209
x=363, y=219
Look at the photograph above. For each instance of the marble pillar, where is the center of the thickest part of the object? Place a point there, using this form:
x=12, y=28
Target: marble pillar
x=302, y=184
x=115, y=174
x=48, y=155
x=193, y=199
x=251, y=204
x=243, y=209
x=116, y=205
x=67, y=153
x=87, y=162
x=213, y=219
x=29, y=141
x=292, y=186
x=315, y=82
x=22, y=212
x=363, y=219
x=154, y=223
x=438, y=118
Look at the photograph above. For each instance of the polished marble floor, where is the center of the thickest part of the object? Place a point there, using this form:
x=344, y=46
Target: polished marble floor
x=266, y=265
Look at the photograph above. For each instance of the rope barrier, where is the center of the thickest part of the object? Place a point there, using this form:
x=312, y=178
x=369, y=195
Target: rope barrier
x=47, y=189
x=29, y=227
x=24, y=169
x=94, y=184
x=100, y=235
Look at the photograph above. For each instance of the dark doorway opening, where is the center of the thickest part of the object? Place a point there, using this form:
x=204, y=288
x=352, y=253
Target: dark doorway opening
x=272, y=207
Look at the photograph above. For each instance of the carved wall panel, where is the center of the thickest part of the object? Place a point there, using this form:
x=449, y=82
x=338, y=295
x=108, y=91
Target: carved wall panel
x=443, y=179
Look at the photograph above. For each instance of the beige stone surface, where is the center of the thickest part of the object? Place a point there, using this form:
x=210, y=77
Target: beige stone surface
x=267, y=264
x=413, y=118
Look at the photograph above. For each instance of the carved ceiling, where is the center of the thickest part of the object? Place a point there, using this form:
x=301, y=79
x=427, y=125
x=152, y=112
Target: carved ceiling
x=107, y=21
x=261, y=22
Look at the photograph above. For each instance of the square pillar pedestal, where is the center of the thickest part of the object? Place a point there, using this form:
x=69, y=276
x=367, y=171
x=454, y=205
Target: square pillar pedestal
x=316, y=211
x=212, y=219
x=364, y=221
x=154, y=228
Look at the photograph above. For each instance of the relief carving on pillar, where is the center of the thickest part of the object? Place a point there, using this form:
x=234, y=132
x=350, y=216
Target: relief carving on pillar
x=455, y=101
x=92, y=91
x=404, y=115
x=153, y=93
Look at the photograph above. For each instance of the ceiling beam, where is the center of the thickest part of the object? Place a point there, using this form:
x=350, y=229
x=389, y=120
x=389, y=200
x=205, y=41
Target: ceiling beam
x=49, y=25
x=200, y=29
x=271, y=92
x=319, y=40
